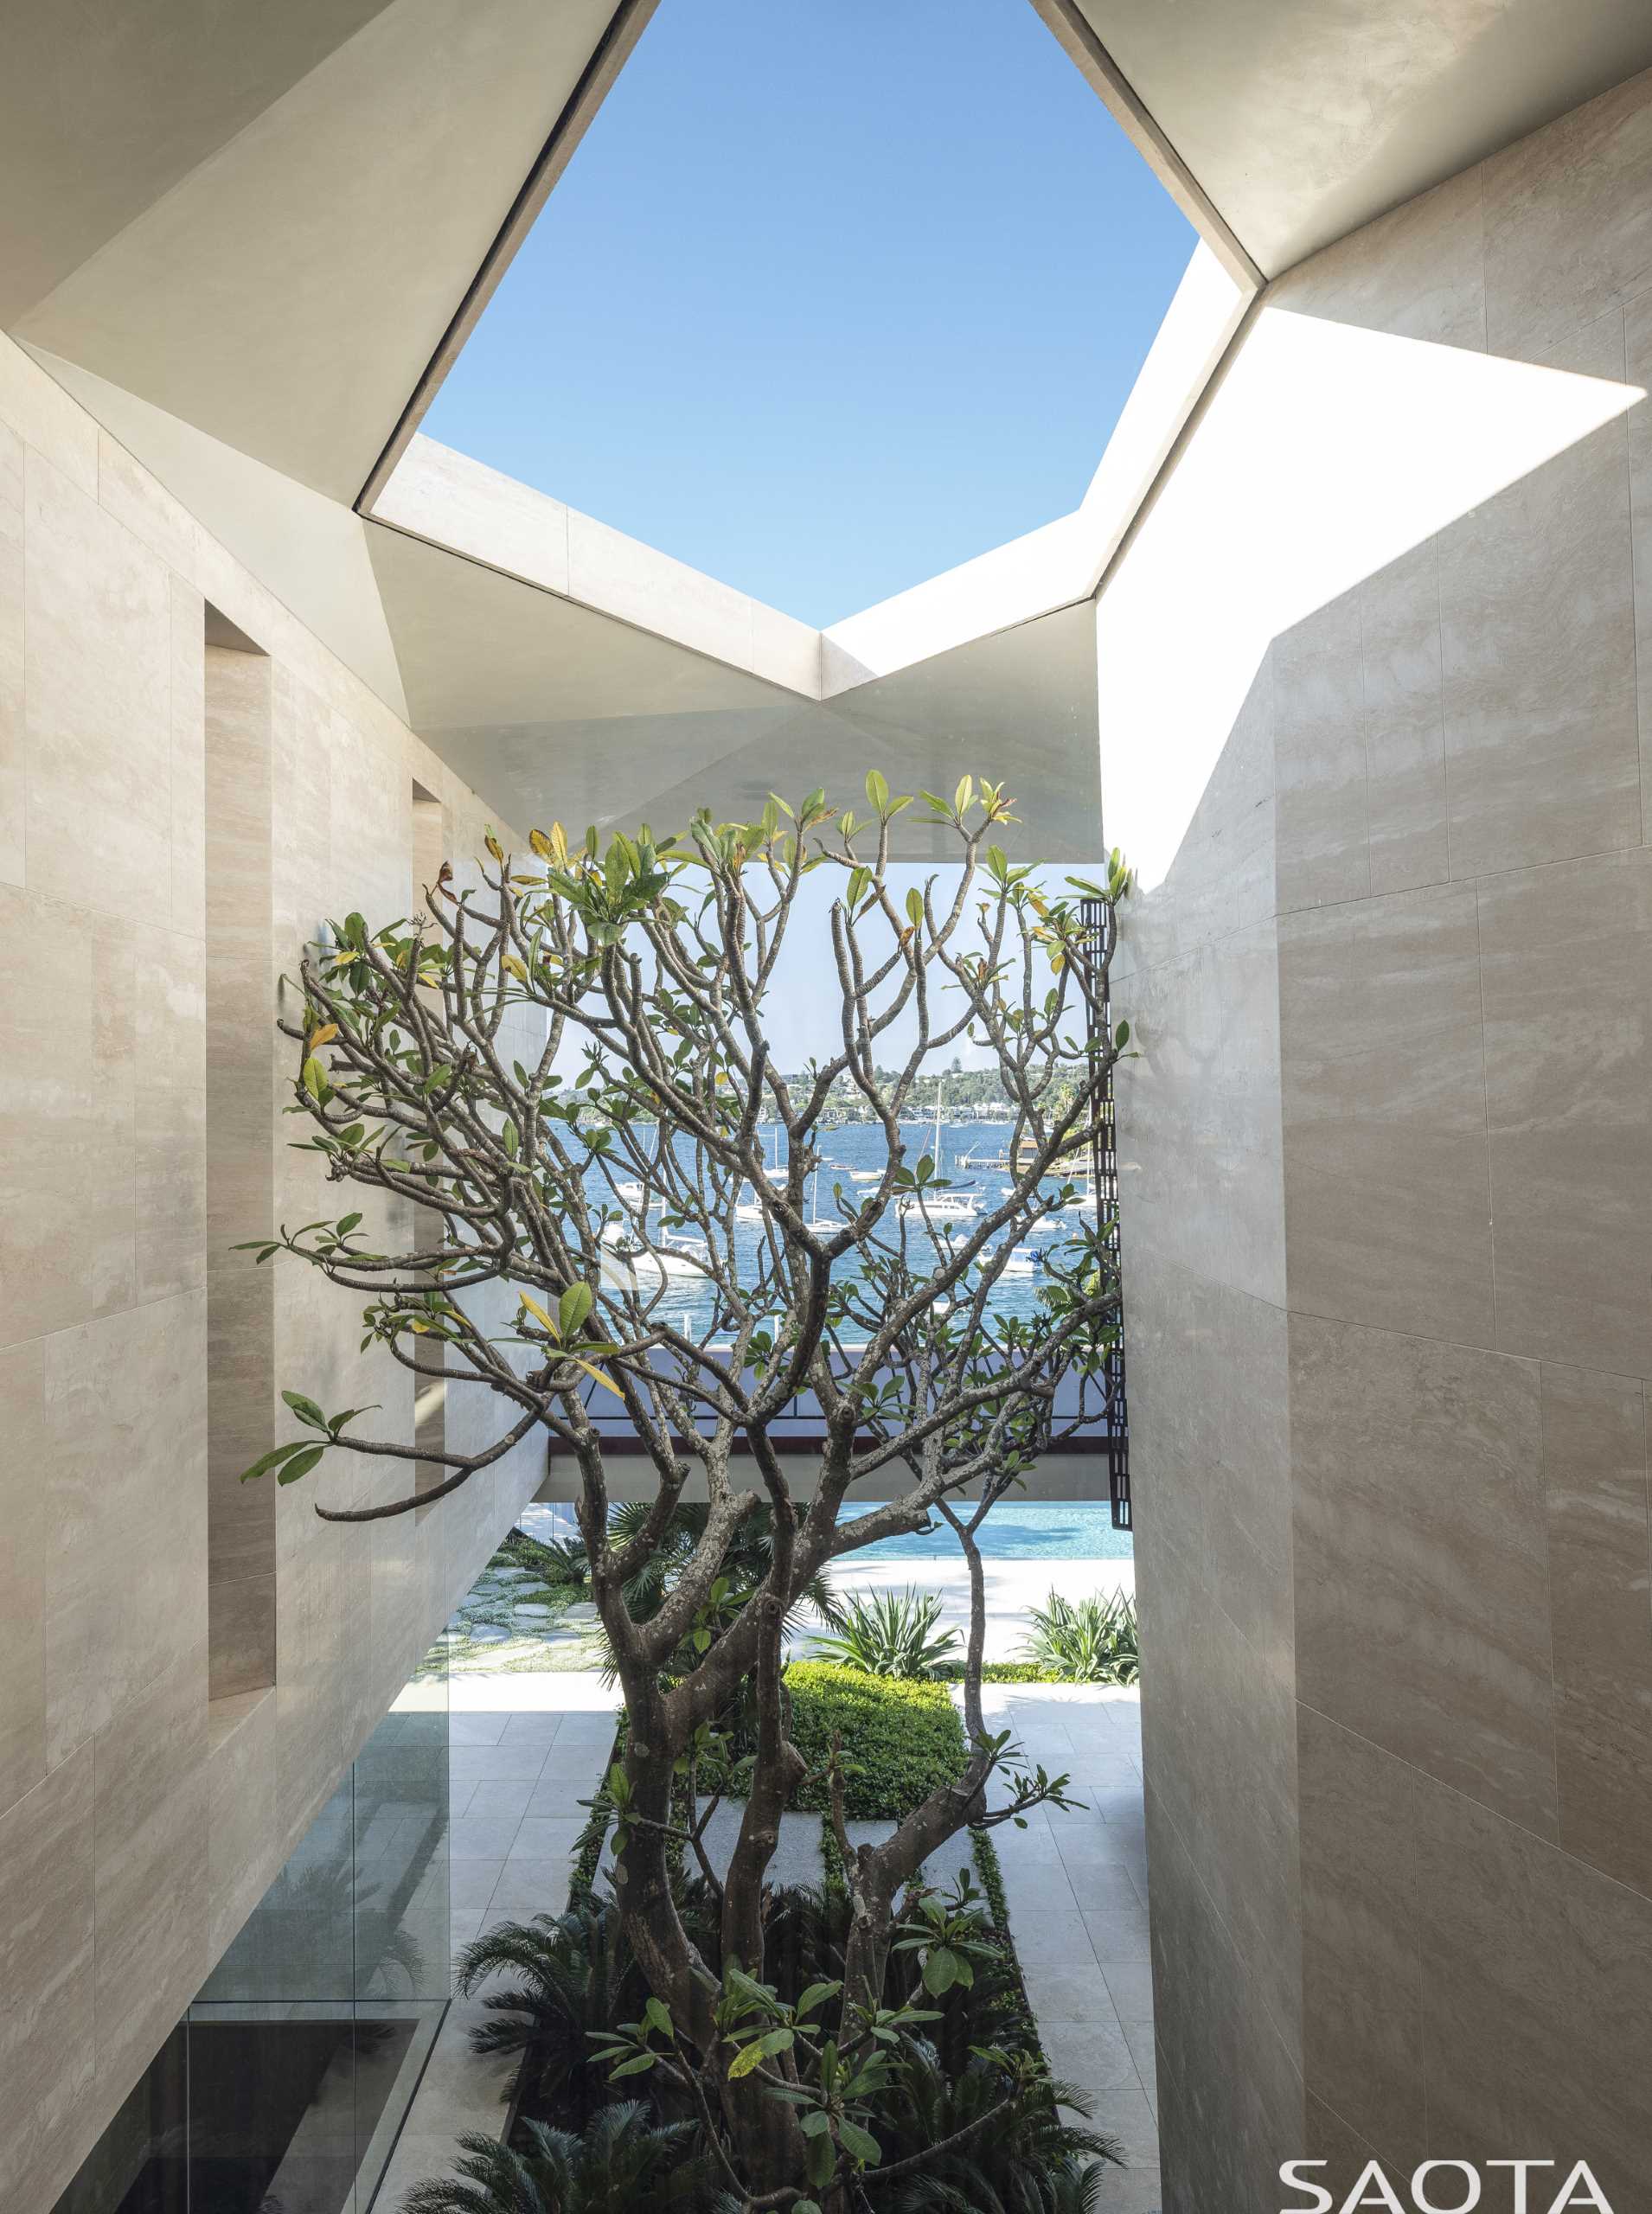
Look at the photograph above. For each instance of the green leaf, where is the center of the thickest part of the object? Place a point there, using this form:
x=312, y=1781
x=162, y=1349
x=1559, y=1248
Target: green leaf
x=306, y=1409
x=314, y=1078
x=346, y=1224
x=301, y=1464
x=940, y=1971
x=273, y=1460
x=815, y=2124
x=638, y=2064
x=748, y=2057
x=1121, y=1036
x=858, y=2142
x=655, y=2013
x=877, y=789
x=815, y=1996
x=963, y=795
x=915, y=907
x=573, y=1308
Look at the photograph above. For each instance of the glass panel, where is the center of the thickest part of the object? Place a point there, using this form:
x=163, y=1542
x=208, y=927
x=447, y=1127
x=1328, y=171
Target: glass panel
x=401, y=1913
x=283, y=2091
x=139, y=2165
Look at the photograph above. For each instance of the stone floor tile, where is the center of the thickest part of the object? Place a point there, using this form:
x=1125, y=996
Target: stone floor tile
x=476, y=1729
x=503, y=1763
x=1043, y=1936
x=1118, y=1933
x=1130, y=1983
x=1100, y=1885
x=482, y=1837
x=1125, y=2115
x=473, y=1883
x=501, y=1797
x=1091, y=2055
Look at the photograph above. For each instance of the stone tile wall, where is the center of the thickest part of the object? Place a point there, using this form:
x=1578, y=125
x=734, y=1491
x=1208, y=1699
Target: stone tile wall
x=140, y=1820
x=1387, y=1177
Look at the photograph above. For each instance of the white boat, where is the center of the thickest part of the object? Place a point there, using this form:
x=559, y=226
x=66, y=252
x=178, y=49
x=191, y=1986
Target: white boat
x=822, y=1224
x=631, y=1267
x=942, y=1207
x=629, y=1194
x=750, y=1210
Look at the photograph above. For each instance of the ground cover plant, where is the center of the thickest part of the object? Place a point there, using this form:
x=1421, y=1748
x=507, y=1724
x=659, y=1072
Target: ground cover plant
x=567, y=1069
x=966, y=2105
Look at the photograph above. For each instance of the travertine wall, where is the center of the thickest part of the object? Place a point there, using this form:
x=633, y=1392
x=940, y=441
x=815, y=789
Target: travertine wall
x=139, y=1821
x=1387, y=1178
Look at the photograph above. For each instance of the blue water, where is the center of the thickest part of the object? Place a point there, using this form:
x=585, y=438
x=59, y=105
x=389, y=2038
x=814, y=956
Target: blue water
x=687, y=1301
x=1016, y=1529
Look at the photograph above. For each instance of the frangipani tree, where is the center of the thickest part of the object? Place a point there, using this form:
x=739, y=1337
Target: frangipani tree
x=624, y=1165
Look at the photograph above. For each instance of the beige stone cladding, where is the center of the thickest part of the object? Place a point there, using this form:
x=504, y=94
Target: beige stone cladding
x=141, y=1820
x=1386, y=1166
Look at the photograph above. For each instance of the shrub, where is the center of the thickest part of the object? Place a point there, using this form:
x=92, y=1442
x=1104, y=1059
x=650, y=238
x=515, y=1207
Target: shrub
x=891, y=1634
x=900, y=1739
x=1020, y=2159
x=561, y=1560
x=626, y=2163
x=559, y=1978
x=1091, y=1640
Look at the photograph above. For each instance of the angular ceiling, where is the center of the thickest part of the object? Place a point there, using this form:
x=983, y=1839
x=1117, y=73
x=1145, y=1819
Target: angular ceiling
x=250, y=237
x=557, y=710
x=292, y=201
x=1299, y=120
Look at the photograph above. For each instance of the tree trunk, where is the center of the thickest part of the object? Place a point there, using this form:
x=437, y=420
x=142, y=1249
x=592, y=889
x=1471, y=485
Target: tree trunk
x=769, y=2144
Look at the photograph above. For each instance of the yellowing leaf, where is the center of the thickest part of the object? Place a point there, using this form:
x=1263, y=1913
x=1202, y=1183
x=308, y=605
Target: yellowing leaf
x=515, y=966
x=325, y=1036
x=545, y=1321
x=494, y=847
x=596, y=1375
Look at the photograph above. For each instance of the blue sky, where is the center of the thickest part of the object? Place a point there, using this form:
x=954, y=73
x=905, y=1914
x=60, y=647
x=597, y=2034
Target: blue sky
x=835, y=295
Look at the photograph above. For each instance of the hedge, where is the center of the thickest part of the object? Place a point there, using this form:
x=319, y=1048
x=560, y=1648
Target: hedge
x=900, y=1739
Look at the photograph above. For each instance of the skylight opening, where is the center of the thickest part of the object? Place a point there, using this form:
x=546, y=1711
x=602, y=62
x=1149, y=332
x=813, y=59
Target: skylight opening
x=831, y=298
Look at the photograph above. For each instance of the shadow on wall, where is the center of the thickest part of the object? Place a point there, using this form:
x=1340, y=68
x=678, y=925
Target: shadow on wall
x=1329, y=452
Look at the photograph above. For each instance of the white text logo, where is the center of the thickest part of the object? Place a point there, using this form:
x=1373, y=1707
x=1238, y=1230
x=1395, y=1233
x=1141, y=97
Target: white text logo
x=1450, y=2187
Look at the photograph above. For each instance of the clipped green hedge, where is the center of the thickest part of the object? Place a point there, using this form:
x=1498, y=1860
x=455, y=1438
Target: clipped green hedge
x=999, y=1672
x=900, y=1739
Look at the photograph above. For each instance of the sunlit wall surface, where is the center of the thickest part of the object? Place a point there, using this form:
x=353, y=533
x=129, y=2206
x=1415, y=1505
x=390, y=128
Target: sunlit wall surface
x=282, y=2090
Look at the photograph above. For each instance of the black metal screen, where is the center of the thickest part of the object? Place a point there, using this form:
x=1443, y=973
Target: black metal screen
x=1104, y=1164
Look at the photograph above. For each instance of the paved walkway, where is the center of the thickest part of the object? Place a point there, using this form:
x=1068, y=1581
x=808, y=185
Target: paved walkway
x=526, y=1748
x=1077, y=1886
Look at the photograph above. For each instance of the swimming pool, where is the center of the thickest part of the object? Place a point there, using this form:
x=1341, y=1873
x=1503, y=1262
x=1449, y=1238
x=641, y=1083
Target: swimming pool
x=1017, y=1530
